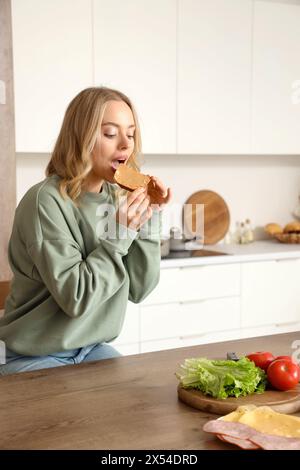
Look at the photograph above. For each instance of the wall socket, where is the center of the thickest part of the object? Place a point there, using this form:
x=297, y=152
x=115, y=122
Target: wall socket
x=2, y=92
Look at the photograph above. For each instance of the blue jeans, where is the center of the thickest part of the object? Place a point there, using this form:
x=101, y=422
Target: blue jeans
x=19, y=363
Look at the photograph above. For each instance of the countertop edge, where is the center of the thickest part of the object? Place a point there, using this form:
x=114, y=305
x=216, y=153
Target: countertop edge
x=232, y=258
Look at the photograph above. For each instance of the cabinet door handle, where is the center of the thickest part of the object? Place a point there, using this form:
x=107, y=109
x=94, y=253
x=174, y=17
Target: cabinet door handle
x=278, y=325
x=201, y=335
x=197, y=301
x=207, y=299
x=282, y=260
x=197, y=266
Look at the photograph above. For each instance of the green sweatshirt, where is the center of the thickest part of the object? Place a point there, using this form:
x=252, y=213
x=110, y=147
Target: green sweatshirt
x=72, y=280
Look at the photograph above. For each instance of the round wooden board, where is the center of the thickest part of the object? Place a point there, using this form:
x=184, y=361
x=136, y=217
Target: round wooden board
x=283, y=402
x=216, y=216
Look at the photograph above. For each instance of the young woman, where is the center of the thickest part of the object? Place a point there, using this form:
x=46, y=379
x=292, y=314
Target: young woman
x=75, y=261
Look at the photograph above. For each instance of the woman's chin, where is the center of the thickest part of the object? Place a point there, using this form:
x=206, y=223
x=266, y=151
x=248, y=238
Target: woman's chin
x=110, y=177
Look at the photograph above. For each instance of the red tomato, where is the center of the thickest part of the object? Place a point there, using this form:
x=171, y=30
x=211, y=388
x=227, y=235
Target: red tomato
x=283, y=374
x=261, y=359
x=287, y=358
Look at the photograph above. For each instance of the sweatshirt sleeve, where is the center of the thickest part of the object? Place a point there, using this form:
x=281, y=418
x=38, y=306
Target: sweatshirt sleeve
x=78, y=285
x=143, y=260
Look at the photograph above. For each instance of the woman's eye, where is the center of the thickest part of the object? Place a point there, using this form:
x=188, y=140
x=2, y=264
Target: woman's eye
x=110, y=136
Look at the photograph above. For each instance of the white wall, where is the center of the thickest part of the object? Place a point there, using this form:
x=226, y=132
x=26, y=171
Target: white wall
x=262, y=188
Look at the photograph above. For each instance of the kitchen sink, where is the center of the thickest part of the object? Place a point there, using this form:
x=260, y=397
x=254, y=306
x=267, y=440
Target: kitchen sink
x=193, y=254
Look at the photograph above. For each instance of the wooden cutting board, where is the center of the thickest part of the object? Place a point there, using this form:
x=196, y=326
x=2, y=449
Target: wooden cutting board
x=283, y=402
x=216, y=216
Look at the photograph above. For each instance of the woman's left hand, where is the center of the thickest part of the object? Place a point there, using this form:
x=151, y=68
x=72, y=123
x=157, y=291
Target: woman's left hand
x=159, y=194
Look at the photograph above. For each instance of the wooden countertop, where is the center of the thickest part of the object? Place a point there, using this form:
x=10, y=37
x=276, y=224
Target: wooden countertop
x=123, y=403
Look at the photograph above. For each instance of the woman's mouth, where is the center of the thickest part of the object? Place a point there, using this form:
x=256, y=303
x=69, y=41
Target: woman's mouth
x=116, y=163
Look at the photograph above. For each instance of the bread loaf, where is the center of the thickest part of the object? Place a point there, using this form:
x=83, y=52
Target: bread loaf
x=292, y=227
x=130, y=179
x=273, y=229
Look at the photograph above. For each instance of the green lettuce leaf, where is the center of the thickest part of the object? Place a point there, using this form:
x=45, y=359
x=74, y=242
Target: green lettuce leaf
x=222, y=379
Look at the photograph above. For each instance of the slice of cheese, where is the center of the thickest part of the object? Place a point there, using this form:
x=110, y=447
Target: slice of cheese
x=266, y=420
x=238, y=413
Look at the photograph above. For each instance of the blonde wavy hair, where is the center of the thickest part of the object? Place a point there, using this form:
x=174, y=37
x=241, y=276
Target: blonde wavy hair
x=71, y=157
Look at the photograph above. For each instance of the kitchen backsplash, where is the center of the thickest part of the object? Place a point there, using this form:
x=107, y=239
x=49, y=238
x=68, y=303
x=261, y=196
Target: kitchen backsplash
x=261, y=188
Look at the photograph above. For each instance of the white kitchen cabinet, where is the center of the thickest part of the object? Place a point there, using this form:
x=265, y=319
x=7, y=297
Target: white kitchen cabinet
x=189, y=319
x=135, y=52
x=276, y=78
x=275, y=329
x=208, y=282
x=128, y=341
x=214, y=76
x=191, y=305
x=168, y=288
x=197, y=340
x=52, y=52
x=206, y=76
x=212, y=303
x=196, y=283
x=127, y=349
x=270, y=293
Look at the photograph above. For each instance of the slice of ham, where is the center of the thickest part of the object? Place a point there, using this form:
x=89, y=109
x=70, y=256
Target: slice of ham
x=238, y=433
x=242, y=443
x=270, y=442
x=238, y=430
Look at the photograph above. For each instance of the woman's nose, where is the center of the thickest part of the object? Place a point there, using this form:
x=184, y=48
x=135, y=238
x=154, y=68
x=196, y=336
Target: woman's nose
x=124, y=142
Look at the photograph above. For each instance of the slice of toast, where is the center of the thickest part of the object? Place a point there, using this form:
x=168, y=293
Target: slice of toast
x=130, y=179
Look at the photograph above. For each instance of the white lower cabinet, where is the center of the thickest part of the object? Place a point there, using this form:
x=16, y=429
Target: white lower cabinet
x=181, y=342
x=270, y=293
x=196, y=283
x=266, y=330
x=128, y=342
x=188, y=323
x=127, y=349
x=184, y=320
x=208, y=304
x=191, y=305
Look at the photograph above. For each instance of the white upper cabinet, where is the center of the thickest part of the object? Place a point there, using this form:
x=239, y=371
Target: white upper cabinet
x=214, y=76
x=276, y=78
x=135, y=52
x=206, y=76
x=52, y=51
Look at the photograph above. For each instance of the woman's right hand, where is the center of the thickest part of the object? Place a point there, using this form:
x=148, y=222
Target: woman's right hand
x=135, y=210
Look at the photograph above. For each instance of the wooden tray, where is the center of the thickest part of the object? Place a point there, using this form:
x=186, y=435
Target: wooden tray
x=216, y=217
x=283, y=402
